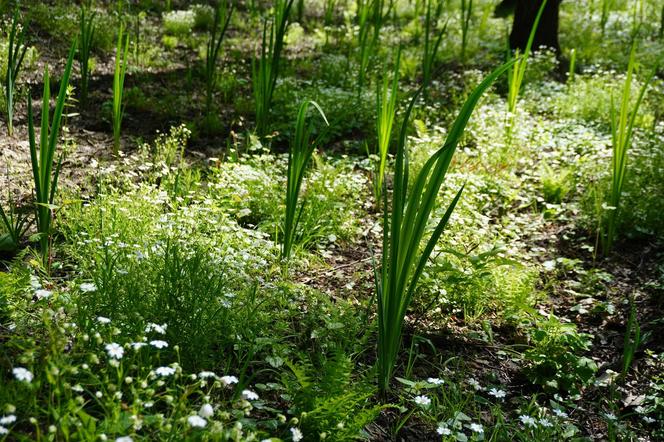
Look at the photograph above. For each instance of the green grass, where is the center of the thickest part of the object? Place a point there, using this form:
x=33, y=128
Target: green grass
x=405, y=222
x=622, y=127
x=86, y=36
x=222, y=17
x=386, y=105
x=299, y=155
x=431, y=43
x=15, y=55
x=43, y=154
x=119, y=73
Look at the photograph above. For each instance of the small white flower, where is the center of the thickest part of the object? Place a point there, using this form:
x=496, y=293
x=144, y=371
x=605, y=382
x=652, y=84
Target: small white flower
x=103, y=320
x=498, y=394
x=527, y=420
x=161, y=329
x=197, y=421
x=207, y=374
x=165, y=371
x=560, y=413
x=124, y=439
x=296, y=434
x=88, y=287
x=3, y=430
x=22, y=374
x=148, y=404
x=114, y=350
x=43, y=293
x=435, y=381
x=6, y=420
x=159, y=344
x=249, y=395
x=546, y=423
x=138, y=345
x=99, y=394
x=206, y=411
x=649, y=420
x=476, y=428
x=473, y=383
x=611, y=416
x=640, y=409
x=228, y=380
x=423, y=401
x=443, y=430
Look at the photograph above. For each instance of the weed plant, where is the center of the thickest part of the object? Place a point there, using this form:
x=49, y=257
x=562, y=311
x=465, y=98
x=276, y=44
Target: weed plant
x=299, y=156
x=15, y=55
x=405, y=222
x=121, y=60
x=42, y=155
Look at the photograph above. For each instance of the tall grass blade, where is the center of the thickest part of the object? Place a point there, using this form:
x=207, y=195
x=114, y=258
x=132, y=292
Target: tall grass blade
x=42, y=155
x=222, y=17
x=386, y=106
x=121, y=53
x=87, y=31
x=301, y=150
x=16, y=50
x=404, y=259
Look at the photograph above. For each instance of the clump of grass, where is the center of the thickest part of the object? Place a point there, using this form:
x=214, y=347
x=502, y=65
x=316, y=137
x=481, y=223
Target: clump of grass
x=386, y=106
x=370, y=17
x=121, y=52
x=622, y=127
x=15, y=55
x=87, y=30
x=431, y=46
x=222, y=17
x=42, y=156
x=15, y=224
x=266, y=71
x=404, y=224
x=299, y=156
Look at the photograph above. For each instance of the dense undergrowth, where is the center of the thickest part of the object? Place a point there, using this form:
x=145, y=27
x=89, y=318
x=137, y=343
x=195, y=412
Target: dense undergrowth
x=158, y=304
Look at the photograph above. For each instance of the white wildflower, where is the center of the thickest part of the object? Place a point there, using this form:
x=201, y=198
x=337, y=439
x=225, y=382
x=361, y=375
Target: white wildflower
x=103, y=320
x=197, y=421
x=159, y=344
x=6, y=420
x=249, y=395
x=443, y=430
x=228, y=380
x=114, y=350
x=206, y=411
x=528, y=421
x=88, y=287
x=476, y=428
x=296, y=434
x=435, y=381
x=423, y=401
x=165, y=371
x=498, y=394
x=22, y=374
x=43, y=293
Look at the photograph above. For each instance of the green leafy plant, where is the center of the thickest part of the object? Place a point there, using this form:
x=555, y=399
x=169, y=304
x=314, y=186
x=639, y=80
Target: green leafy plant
x=386, y=106
x=555, y=361
x=42, y=155
x=87, y=30
x=466, y=16
x=431, y=46
x=299, y=156
x=121, y=53
x=633, y=339
x=222, y=17
x=370, y=17
x=622, y=127
x=15, y=55
x=404, y=226
x=266, y=71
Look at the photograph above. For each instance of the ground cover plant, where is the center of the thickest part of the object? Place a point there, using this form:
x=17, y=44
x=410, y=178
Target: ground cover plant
x=292, y=220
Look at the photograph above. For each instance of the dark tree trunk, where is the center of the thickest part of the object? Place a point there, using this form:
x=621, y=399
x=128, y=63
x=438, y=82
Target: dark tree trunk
x=525, y=12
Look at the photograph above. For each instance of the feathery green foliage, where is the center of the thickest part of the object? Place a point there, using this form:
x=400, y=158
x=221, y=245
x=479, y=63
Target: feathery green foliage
x=222, y=17
x=622, y=127
x=121, y=52
x=431, y=46
x=300, y=153
x=266, y=71
x=87, y=30
x=404, y=226
x=15, y=54
x=386, y=106
x=42, y=155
